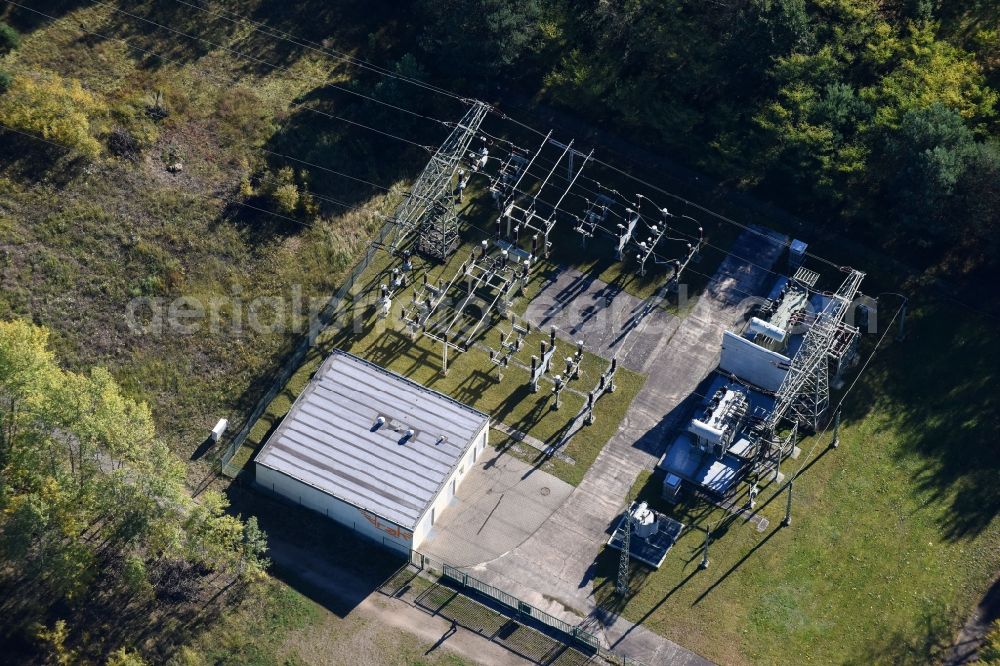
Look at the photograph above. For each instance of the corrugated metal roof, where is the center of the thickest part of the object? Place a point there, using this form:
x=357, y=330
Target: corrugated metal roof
x=329, y=438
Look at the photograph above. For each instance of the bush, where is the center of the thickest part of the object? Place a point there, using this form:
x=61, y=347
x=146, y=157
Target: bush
x=5, y=81
x=55, y=108
x=286, y=198
x=989, y=654
x=9, y=38
x=124, y=144
x=282, y=192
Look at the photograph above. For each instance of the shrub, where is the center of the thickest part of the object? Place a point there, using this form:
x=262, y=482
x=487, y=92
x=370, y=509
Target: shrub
x=121, y=657
x=286, y=198
x=5, y=81
x=9, y=38
x=55, y=108
x=990, y=652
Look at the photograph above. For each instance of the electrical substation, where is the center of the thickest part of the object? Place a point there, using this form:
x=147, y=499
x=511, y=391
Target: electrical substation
x=520, y=263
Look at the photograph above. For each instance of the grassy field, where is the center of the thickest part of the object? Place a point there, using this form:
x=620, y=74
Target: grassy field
x=80, y=241
x=894, y=534
x=284, y=627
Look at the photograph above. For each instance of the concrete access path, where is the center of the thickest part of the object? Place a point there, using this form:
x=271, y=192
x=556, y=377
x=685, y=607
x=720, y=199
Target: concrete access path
x=553, y=568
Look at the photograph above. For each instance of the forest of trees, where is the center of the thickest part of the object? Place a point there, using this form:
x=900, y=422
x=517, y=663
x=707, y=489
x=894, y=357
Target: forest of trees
x=98, y=531
x=877, y=118
x=873, y=116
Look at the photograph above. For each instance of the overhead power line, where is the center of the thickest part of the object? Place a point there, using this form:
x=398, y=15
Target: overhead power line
x=260, y=61
x=311, y=45
x=677, y=197
x=317, y=47
x=383, y=72
x=166, y=59
x=217, y=79
x=218, y=196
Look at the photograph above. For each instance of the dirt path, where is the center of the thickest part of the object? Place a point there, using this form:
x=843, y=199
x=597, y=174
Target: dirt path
x=345, y=594
x=468, y=645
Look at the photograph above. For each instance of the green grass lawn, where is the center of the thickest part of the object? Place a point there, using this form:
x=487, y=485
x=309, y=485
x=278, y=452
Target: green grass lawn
x=894, y=534
x=471, y=378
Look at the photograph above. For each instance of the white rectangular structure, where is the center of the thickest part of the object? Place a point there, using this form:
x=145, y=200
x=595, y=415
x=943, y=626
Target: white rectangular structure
x=219, y=429
x=374, y=451
x=752, y=363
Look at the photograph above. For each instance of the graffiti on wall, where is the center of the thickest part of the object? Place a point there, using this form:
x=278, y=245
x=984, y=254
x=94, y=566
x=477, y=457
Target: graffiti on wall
x=391, y=529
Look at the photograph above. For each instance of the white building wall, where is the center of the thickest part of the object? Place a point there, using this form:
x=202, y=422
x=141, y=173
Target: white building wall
x=444, y=497
x=374, y=527
x=752, y=363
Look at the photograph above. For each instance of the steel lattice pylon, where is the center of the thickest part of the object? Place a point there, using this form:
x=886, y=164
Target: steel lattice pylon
x=622, y=587
x=805, y=390
x=429, y=209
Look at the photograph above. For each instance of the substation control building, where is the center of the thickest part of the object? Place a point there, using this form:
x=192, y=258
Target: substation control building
x=372, y=450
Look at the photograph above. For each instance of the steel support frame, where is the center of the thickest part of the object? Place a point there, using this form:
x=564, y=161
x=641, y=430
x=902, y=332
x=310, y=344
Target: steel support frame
x=429, y=208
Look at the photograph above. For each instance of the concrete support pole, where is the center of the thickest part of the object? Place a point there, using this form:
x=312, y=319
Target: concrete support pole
x=444, y=356
x=788, y=507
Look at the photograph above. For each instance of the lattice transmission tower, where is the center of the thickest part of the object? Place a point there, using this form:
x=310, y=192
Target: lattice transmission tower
x=429, y=208
x=622, y=585
x=805, y=390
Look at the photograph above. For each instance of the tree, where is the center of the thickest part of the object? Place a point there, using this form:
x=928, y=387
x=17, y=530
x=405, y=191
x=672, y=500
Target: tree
x=57, y=109
x=122, y=657
x=977, y=208
x=92, y=503
x=398, y=93
x=481, y=39
x=252, y=562
x=55, y=640
x=9, y=38
x=928, y=154
x=921, y=71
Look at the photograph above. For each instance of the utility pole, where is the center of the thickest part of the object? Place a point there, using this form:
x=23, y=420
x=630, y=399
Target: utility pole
x=429, y=210
x=444, y=355
x=788, y=507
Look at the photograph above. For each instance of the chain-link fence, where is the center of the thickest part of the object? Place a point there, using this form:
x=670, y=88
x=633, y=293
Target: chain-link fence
x=580, y=638
x=343, y=297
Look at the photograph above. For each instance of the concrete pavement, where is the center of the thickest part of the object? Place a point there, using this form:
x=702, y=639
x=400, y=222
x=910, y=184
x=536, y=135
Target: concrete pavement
x=498, y=507
x=553, y=566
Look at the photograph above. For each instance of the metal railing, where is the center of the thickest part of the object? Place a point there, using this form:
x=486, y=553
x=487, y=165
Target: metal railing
x=518, y=609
